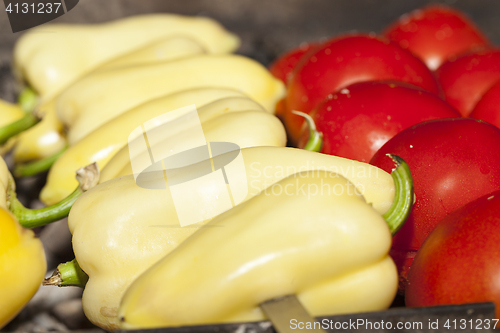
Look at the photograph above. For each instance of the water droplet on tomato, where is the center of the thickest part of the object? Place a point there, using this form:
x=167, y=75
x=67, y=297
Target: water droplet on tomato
x=484, y=169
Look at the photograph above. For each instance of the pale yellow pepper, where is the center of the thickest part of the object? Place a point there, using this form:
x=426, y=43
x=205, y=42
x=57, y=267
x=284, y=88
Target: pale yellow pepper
x=104, y=95
x=312, y=235
x=120, y=229
x=246, y=129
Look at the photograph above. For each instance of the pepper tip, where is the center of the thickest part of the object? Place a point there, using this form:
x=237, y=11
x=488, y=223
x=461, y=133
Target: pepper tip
x=396, y=159
x=88, y=176
x=53, y=280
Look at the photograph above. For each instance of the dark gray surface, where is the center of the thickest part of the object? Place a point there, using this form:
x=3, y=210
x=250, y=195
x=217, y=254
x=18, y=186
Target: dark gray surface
x=266, y=27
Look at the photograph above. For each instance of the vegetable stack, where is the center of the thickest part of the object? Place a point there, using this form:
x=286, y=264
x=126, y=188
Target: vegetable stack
x=120, y=230
x=316, y=221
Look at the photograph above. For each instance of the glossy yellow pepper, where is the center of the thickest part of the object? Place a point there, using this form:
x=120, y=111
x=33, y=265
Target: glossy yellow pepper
x=22, y=259
x=252, y=126
x=104, y=95
x=100, y=145
x=22, y=266
x=311, y=234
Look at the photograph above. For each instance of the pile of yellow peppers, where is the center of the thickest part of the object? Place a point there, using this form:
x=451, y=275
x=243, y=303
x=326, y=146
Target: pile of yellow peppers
x=121, y=230
x=313, y=225
x=128, y=42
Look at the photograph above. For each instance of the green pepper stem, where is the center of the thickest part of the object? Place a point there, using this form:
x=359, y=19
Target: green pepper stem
x=28, y=100
x=68, y=274
x=16, y=127
x=34, y=168
x=404, y=196
x=315, y=142
x=87, y=177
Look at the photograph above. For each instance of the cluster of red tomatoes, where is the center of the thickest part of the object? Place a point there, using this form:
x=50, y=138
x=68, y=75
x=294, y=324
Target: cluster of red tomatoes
x=428, y=90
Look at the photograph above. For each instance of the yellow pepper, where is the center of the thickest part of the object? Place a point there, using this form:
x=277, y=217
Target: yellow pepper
x=49, y=57
x=22, y=266
x=104, y=95
x=164, y=49
x=252, y=126
x=120, y=229
x=22, y=259
x=100, y=145
x=311, y=234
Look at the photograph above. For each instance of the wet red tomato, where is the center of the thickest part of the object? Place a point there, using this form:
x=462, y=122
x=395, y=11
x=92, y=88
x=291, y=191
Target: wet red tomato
x=359, y=119
x=460, y=260
x=488, y=107
x=453, y=162
x=436, y=33
x=282, y=67
x=343, y=61
x=466, y=79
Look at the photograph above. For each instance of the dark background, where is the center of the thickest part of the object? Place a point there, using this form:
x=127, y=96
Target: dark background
x=266, y=27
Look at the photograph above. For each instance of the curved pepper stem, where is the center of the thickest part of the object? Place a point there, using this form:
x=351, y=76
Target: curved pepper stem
x=68, y=274
x=315, y=142
x=28, y=100
x=88, y=177
x=34, y=168
x=404, y=196
x=8, y=131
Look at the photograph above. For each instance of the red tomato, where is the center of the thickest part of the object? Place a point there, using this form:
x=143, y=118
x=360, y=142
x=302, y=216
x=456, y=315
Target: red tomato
x=488, y=107
x=453, y=162
x=359, y=119
x=460, y=260
x=282, y=67
x=435, y=33
x=466, y=79
x=343, y=61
